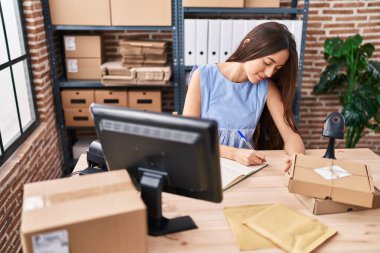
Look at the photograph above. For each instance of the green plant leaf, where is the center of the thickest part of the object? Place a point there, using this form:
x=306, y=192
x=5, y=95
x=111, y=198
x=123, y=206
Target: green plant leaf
x=331, y=78
x=374, y=69
x=333, y=47
x=351, y=43
x=367, y=49
x=353, y=117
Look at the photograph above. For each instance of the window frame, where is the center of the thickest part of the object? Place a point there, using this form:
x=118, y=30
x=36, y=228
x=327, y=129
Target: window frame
x=5, y=154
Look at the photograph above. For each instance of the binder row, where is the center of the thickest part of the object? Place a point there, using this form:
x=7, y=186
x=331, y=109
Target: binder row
x=214, y=40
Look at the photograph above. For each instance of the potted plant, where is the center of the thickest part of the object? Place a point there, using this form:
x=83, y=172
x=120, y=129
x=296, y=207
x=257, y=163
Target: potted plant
x=350, y=70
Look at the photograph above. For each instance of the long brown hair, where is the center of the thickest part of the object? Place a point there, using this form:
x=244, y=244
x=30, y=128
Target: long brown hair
x=266, y=39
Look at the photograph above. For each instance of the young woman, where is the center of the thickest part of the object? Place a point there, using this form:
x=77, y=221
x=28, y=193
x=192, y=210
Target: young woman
x=252, y=92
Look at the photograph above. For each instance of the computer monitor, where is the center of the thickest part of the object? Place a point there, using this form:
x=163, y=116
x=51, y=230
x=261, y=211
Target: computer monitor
x=162, y=152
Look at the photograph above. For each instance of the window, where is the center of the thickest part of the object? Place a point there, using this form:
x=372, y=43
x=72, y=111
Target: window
x=17, y=101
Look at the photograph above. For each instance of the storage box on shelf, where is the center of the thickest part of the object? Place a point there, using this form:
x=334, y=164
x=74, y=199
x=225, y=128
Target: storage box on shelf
x=84, y=56
x=148, y=100
x=76, y=105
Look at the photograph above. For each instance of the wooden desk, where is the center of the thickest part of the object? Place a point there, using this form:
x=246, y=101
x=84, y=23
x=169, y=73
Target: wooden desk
x=357, y=231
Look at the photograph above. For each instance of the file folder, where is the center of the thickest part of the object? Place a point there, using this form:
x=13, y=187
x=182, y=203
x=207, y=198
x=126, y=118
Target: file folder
x=213, y=40
x=297, y=32
x=201, y=41
x=190, y=37
x=249, y=25
x=225, y=40
x=237, y=33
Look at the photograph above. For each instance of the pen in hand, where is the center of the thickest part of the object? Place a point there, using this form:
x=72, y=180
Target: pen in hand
x=261, y=157
x=245, y=140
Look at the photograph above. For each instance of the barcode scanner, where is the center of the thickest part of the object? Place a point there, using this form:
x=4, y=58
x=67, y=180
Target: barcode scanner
x=334, y=128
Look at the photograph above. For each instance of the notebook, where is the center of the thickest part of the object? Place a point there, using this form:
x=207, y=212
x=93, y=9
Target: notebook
x=233, y=172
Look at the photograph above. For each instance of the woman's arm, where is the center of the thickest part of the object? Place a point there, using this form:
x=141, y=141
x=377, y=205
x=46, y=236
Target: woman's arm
x=192, y=108
x=292, y=140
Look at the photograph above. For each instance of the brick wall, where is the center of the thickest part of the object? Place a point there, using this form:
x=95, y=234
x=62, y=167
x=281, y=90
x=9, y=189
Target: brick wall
x=39, y=157
x=328, y=19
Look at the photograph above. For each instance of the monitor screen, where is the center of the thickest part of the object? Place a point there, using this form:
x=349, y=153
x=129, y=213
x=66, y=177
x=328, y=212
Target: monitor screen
x=181, y=153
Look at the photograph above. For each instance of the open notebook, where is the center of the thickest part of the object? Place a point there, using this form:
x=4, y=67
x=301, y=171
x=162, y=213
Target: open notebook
x=233, y=172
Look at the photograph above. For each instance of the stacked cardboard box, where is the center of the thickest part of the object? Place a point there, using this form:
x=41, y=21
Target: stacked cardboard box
x=83, y=57
x=76, y=104
x=143, y=53
x=116, y=74
x=332, y=186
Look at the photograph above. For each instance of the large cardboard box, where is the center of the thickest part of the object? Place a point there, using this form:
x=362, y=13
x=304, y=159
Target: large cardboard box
x=77, y=98
x=141, y=12
x=145, y=100
x=214, y=3
x=78, y=117
x=327, y=206
x=88, y=214
x=82, y=46
x=329, y=182
x=83, y=68
x=110, y=97
x=80, y=12
x=262, y=4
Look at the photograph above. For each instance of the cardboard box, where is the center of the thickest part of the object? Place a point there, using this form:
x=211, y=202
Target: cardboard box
x=141, y=12
x=77, y=98
x=82, y=46
x=214, y=3
x=145, y=100
x=327, y=206
x=261, y=3
x=80, y=12
x=83, y=68
x=355, y=189
x=78, y=117
x=87, y=214
x=109, y=97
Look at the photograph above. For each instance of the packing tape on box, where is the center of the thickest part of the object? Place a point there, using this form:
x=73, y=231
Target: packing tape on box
x=35, y=202
x=335, y=172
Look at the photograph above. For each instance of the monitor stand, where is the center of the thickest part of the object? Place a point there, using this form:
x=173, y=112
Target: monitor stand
x=151, y=184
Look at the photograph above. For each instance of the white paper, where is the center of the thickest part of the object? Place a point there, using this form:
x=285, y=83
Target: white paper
x=334, y=172
x=33, y=202
x=52, y=242
x=72, y=66
x=70, y=44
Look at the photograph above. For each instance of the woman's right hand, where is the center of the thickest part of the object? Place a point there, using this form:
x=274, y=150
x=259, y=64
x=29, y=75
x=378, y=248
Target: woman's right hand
x=248, y=156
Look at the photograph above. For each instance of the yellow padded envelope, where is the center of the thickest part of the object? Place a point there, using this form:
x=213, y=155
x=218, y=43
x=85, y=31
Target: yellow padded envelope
x=289, y=229
x=246, y=238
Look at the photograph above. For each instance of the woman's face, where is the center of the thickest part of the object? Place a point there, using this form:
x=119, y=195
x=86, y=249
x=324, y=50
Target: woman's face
x=265, y=67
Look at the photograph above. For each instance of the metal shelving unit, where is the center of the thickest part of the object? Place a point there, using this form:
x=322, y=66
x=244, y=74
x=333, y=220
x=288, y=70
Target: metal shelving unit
x=60, y=83
x=178, y=65
x=293, y=11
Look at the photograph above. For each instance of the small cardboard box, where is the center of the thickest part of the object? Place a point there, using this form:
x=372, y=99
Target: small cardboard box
x=80, y=46
x=141, y=12
x=83, y=68
x=327, y=206
x=145, y=100
x=214, y=3
x=109, y=97
x=262, y=4
x=76, y=117
x=80, y=12
x=87, y=214
x=355, y=189
x=77, y=98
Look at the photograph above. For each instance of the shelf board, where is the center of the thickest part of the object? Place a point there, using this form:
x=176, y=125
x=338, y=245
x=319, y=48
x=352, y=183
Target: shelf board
x=244, y=10
x=110, y=28
x=98, y=85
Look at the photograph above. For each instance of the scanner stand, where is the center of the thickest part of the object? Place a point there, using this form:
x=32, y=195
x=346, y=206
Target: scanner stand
x=151, y=185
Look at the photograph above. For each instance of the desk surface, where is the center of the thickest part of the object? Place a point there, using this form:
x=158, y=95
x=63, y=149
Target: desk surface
x=357, y=231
